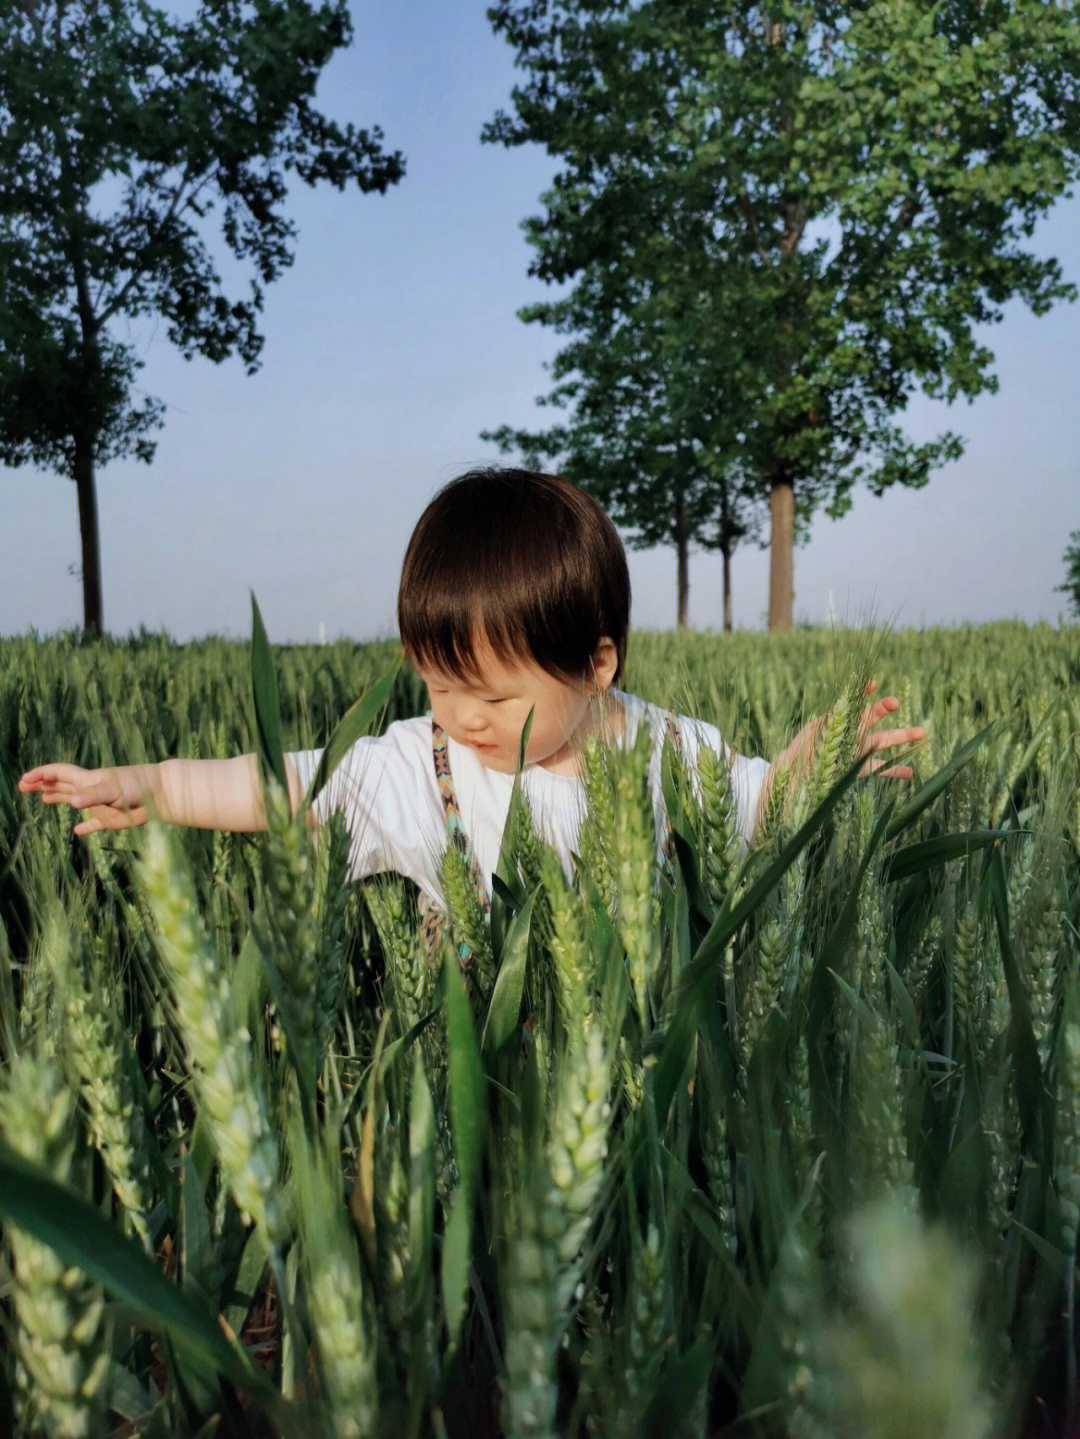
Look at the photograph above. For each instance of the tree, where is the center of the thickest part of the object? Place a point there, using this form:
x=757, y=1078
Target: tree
x=123, y=133
x=1071, y=587
x=857, y=182
x=639, y=438
x=649, y=432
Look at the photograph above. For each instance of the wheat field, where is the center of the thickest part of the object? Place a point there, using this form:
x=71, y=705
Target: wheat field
x=781, y=1143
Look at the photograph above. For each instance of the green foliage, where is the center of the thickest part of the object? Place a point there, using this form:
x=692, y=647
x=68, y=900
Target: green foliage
x=123, y=130
x=772, y=227
x=1071, y=587
x=788, y=1139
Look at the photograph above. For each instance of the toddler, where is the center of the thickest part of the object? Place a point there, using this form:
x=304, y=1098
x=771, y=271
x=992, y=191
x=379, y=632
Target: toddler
x=514, y=597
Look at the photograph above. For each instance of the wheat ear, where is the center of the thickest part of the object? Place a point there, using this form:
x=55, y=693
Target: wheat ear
x=218, y=1045
x=61, y=1341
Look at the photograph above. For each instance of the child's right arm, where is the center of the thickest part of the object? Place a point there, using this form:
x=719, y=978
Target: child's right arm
x=201, y=793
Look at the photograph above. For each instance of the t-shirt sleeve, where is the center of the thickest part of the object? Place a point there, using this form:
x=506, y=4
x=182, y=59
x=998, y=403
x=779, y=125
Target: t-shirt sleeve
x=383, y=791
x=747, y=774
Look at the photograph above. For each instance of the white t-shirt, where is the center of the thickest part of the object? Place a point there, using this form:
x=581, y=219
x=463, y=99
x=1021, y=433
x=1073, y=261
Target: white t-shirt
x=387, y=791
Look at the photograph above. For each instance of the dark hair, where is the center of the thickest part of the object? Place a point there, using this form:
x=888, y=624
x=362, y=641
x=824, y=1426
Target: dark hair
x=525, y=560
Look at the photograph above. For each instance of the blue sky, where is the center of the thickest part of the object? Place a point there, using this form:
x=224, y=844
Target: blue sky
x=393, y=342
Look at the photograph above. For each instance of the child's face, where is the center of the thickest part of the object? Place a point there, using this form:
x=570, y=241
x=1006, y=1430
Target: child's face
x=488, y=712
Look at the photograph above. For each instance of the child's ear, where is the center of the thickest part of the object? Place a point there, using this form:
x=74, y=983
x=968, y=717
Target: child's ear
x=605, y=664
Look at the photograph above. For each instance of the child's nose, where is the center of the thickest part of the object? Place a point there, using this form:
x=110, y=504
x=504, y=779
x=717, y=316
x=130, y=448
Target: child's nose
x=472, y=717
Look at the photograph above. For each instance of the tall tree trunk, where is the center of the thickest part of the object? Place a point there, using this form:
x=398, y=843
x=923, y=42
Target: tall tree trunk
x=781, y=546
x=782, y=488
x=83, y=475
x=83, y=434
x=682, y=550
x=726, y=537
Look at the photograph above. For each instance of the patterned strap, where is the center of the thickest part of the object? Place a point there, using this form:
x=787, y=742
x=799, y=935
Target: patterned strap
x=667, y=844
x=454, y=823
x=433, y=921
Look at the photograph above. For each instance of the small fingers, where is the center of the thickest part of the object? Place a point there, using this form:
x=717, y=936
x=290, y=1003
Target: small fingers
x=48, y=776
x=878, y=770
x=94, y=791
x=62, y=784
x=104, y=817
x=890, y=738
x=875, y=713
x=61, y=794
x=34, y=783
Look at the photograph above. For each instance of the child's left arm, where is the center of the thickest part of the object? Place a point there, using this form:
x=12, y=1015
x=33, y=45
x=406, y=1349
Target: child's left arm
x=799, y=753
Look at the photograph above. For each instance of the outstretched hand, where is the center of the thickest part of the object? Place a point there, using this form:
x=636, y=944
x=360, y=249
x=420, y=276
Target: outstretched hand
x=872, y=744
x=110, y=797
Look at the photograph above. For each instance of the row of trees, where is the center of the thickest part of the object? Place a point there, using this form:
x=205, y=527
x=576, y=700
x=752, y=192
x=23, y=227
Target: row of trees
x=773, y=224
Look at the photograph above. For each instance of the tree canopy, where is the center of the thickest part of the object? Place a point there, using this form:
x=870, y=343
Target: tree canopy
x=830, y=201
x=642, y=436
x=1071, y=587
x=128, y=138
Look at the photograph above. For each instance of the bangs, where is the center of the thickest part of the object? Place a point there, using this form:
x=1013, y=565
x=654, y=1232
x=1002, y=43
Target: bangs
x=451, y=639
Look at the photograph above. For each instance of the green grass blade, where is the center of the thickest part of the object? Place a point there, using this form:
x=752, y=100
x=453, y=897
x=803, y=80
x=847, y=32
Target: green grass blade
x=698, y=1208
x=399, y=1045
x=1038, y=733
x=264, y=688
x=928, y=793
x=299, y=1048
x=905, y=1005
x=680, y=929
x=732, y=915
x=353, y=725
x=695, y=982
x=421, y=1236
x=504, y=1010
x=504, y=869
x=686, y=855
x=248, y=1278
x=930, y=853
x=682, y=838
x=467, y=1083
x=677, y=1389
x=248, y=988
x=454, y=1265
x=1025, y=1050
x=467, y=1111
x=1054, y=1257
x=163, y=1176
x=855, y=999
x=80, y=1236
x=196, y=1247
x=511, y=900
